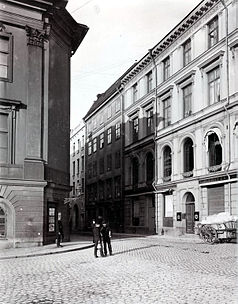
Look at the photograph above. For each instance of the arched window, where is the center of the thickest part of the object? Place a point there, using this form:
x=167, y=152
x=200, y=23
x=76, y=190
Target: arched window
x=2, y=223
x=135, y=171
x=188, y=160
x=149, y=167
x=214, y=150
x=167, y=163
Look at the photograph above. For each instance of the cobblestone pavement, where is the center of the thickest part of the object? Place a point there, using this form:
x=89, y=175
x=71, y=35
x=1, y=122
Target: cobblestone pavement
x=142, y=270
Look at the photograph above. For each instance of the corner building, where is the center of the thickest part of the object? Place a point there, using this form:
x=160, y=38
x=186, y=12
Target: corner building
x=188, y=84
x=37, y=40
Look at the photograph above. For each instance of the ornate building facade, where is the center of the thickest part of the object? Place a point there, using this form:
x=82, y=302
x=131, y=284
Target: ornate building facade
x=195, y=103
x=38, y=39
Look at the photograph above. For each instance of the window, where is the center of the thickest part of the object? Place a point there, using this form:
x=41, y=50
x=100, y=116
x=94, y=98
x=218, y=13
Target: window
x=90, y=169
x=138, y=213
x=82, y=185
x=78, y=166
x=82, y=163
x=90, y=148
x=167, y=163
x=101, y=140
x=73, y=148
x=95, y=168
x=213, y=32
x=109, y=162
x=82, y=142
x=168, y=210
x=188, y=155
x=109, y=112
x=109, y=188
x=135, y=172
x=117, y=183
x=149, y=121
x=51, y=219
x=2, y=223
x=95, y=144
x=149, y=81
x=135, y=92
x=117, y=159
x=73, y=188
x=149, y=168
x=167, y=111
x=101, y=165
x=166, y=68
x=118, y=130
x=73, y=168
x=187, y=100
x=109, y=135
x=78, y=145
x=4, y=137
x=135, y=129
x=214, y=85
x=118, y=105
x=187, y=52
x=5, y=58
x=101, y=190
x=214, y=151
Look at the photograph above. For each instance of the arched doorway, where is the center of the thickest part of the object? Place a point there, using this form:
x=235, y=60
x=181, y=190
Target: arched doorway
x=190, y=209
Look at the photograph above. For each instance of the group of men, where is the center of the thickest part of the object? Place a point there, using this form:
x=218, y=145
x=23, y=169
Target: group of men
x=101, y=237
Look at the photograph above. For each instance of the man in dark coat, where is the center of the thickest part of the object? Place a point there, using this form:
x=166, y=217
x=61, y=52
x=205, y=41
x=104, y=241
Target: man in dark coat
x=106, y=238
x=97, y=240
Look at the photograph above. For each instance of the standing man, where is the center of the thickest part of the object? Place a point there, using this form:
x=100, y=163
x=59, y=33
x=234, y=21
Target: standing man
x=106, y=237
x=97, y=240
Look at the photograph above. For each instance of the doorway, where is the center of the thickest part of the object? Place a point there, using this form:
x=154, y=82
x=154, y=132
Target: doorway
x=190, y=209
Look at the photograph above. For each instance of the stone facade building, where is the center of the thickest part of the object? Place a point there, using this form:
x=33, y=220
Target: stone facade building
x=77, y=178
x=193, y=73
x=38, y=39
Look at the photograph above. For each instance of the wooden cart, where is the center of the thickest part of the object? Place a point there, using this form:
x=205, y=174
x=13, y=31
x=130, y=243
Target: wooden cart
x=217, y=232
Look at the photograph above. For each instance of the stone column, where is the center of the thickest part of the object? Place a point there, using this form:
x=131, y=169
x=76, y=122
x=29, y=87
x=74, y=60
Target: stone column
x=33, y=163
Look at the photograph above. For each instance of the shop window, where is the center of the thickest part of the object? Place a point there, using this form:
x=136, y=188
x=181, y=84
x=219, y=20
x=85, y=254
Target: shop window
x=167, y=163
x=51, y=219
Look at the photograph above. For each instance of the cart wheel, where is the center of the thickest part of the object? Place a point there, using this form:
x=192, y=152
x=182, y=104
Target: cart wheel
x=209, y=235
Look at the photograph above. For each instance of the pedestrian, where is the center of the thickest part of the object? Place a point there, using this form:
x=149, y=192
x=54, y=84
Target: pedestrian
x=97, y=240
x=60, y=234
x=106, y=238
x=92, y=226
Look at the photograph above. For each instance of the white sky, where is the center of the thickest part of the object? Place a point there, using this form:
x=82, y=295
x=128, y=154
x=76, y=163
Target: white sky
x=120, y=32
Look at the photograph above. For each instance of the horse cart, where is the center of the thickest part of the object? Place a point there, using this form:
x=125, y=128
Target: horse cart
x=217, y=229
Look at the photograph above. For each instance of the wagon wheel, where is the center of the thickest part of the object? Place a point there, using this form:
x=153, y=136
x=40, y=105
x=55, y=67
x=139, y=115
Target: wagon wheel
x=210, y=235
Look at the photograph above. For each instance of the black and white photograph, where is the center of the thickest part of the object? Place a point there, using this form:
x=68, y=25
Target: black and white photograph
x=118, y=151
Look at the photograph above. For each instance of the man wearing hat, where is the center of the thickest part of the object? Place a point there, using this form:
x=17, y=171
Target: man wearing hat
x=106, y=238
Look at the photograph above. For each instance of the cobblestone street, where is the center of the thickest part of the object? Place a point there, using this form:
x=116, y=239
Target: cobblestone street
x=142, y=270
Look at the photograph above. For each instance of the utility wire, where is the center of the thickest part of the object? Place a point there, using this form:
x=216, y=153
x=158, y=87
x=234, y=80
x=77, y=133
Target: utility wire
x=81, y=6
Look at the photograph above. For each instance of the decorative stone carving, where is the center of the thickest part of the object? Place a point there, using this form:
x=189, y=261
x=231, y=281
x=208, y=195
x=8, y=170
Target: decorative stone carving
x=36, y=37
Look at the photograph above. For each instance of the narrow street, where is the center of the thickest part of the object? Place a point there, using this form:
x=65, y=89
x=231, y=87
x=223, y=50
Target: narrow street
x=142, y=270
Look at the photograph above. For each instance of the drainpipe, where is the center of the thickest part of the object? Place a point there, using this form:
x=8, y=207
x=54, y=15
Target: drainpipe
x=227, y=104
x=155, y=136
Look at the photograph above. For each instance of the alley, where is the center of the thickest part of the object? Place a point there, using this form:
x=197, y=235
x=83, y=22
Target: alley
x=142, y=270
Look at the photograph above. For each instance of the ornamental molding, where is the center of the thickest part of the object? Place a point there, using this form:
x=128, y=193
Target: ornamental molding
x=36, y=37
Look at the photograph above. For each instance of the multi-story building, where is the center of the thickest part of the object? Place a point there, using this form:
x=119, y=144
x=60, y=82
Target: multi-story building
x=77, y=179
x=37, y=40
x=195, y=99
x=104, y=174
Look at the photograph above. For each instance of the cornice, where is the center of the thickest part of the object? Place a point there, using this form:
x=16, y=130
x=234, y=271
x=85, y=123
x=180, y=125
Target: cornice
x=187, y=23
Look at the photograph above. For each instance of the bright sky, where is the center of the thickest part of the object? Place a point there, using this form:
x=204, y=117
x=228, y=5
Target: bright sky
x=120, y=32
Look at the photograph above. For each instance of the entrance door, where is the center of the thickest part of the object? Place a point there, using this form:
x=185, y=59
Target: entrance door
x=190, y=208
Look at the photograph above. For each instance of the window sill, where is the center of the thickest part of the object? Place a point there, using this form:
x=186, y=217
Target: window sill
x=187, y=174
x=215, y=168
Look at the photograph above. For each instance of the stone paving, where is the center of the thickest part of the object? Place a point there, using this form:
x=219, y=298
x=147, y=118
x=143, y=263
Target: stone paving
x=142, y=270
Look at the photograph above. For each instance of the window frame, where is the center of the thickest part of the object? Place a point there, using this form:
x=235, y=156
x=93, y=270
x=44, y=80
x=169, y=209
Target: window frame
x=167, y=111
x=118, y=130
x=167, y=163
x=214, y=84
x=109, y=135
x=95, y=145
x=101, y=140
x=187, y=92
x=213, y=39
x=149, y=81
x=135, y=92
x=9, y=53
x=166, y=68
x=187, y=52
x=135, y=128
x=149, y=121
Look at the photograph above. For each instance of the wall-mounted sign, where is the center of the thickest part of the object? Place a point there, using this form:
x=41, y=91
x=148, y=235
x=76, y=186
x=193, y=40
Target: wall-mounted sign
x=196, y=216
x=179, y=216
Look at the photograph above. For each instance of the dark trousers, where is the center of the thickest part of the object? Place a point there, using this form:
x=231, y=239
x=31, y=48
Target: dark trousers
x=107, y=243
x=96, y=247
